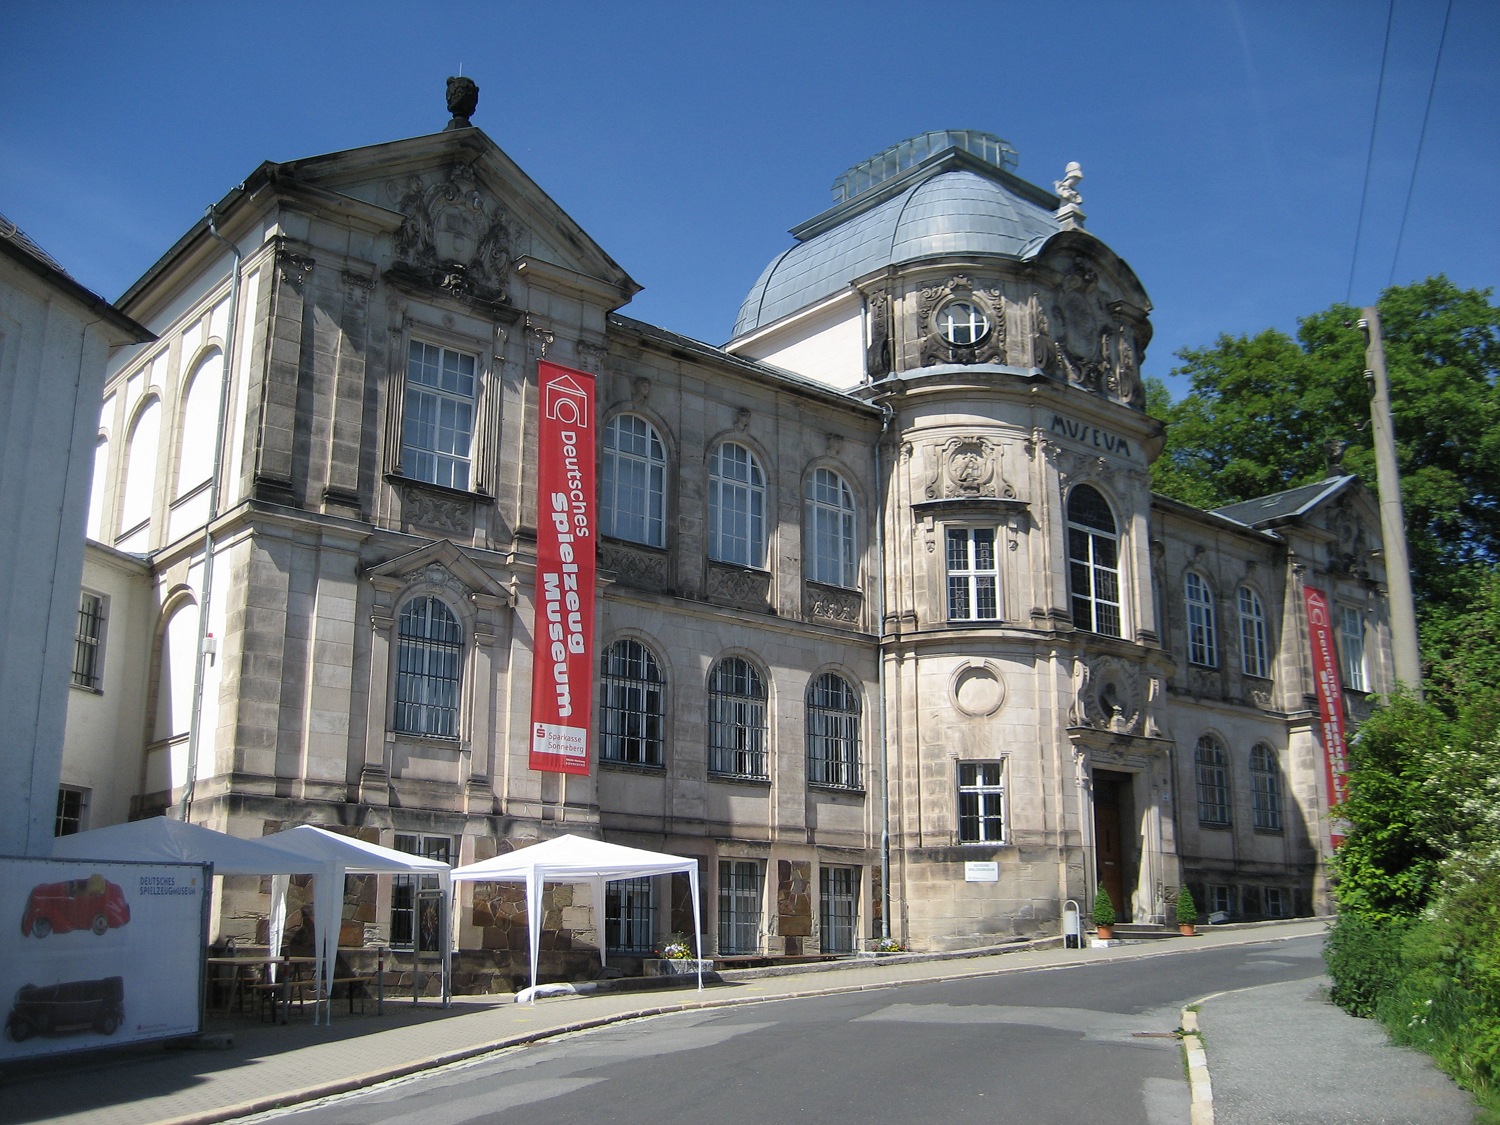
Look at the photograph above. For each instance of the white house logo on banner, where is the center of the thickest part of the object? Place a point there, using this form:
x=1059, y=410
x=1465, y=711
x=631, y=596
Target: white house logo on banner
x=564, y=400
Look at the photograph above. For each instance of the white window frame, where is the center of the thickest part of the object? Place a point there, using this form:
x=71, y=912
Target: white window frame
x=972, y=588
x=829, y=507
x=1254, y=657
x=975, y=326
x=633, y=474
x=1282, y=910
x=736, y=506
x=984, y=782
x=1089, y=576
x=451, y=467
x=1352, y=649
x=1203, y=639
x=1221, y=899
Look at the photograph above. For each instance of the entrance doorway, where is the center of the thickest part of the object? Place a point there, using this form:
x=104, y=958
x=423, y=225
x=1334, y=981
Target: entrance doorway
x=1114, y=861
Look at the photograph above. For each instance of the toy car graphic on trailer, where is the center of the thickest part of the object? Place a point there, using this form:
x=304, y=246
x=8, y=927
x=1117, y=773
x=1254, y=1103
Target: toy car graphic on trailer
x=76, y=1005
x=79, y=904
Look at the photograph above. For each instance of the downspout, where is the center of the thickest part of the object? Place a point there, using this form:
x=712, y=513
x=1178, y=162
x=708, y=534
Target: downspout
x=885, y=784
x=195, y=727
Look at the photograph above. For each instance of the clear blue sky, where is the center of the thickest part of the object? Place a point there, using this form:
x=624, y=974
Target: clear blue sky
x=1223, y=143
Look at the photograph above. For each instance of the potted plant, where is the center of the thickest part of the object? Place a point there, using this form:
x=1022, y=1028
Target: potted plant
x=1187, y=912
x=1104, y=914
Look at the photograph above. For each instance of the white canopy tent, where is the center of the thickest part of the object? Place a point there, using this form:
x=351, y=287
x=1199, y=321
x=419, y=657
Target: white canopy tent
x=573, y=859
x=164, y=840
x=344, y=855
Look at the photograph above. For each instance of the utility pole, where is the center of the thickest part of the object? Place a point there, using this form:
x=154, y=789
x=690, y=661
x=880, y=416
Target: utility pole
x=1392, y=521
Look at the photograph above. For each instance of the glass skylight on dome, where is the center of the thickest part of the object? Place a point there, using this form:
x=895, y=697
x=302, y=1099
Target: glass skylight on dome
x=899, y=157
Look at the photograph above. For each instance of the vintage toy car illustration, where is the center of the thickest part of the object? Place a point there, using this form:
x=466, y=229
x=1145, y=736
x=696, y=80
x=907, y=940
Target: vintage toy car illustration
x=79, y=904
x=76, y=1005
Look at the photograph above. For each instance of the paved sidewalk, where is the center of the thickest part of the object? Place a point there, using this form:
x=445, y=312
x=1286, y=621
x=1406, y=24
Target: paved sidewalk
x=1280, y=1054
x=270, y=1065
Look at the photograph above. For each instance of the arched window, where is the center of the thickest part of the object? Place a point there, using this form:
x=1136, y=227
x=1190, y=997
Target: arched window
x=429, y=653
x=200, y=423
x=833, y=732
x=632, y=705
x=1213, y=782
x=633, y=504
x=1265, y=788
x=736, y=506
x=736, y=720
x=1253, y=656
x=174, y=688
x=830, y=530
x=1203, y=644
x=1352, y=649
x=1093, y=563
x=140, y=468
x=96, y=488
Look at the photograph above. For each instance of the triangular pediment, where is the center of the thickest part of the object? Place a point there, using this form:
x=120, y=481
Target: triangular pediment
x=441, y=562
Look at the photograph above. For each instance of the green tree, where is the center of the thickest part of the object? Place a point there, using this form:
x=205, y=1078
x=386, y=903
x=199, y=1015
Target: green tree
x=1261, y=407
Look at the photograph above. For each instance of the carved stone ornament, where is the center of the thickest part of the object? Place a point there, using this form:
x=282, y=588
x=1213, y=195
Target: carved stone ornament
x=590, y=356
x=968, y=468
x=463, y=97
x=989, y=348
x=453, y=238
x=642, y=569
x=832, y=603
x=1348, y=555
x=747, y=588
x=445, y=513
x=1205, y=683
x=978, y=690
x=293, y=269
x=1110, y=695
x=878, y=354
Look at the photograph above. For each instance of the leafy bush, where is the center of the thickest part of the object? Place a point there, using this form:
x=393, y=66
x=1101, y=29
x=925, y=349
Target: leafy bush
x=1104, y=909
x=1187, y=909
x=1364, y=960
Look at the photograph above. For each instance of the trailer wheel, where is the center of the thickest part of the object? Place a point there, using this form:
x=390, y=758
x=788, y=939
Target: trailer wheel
x=107, y=1023
x=20, y=1028
x=101, y=925
x=41, y=927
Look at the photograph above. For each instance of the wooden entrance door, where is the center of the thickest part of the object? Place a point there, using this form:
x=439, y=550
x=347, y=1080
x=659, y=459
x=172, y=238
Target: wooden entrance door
x=1107, y=851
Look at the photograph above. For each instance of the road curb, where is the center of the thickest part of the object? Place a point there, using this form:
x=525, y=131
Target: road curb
x=1197, y=1067
x=372, y=1078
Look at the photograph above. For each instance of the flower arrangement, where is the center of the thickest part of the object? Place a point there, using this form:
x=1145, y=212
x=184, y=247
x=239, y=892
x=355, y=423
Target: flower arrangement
x=677, y=949
x=887, y=945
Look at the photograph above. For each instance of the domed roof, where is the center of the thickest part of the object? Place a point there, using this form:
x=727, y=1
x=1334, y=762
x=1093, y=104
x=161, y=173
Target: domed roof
x=948, y=212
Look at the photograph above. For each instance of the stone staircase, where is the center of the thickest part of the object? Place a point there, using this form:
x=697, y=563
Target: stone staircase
x=1144, y=931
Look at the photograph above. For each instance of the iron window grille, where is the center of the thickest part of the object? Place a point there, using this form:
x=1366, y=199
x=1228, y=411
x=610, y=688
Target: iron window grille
x=1093, y=563
x=87, y=667
x=1352, y=648
x=632, y=706
x=833, y=732
x=973, y=574
x=737, y=720
x=632, y=504
x=830, y=529
x=981, y=802
x=1265, y=788
x=429, y=655
x=838, y=906
x=1203, y=643
x=628, y=914
x=72, y=811
x=736, y=506
x=1212, y=765
x=404, y=888
x=438, y=421
x=1253, y=656
x=740, y=884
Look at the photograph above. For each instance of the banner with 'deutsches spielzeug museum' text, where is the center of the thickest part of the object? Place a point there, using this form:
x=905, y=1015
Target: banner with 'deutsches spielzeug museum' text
x=562, y=676
x=1330, y=700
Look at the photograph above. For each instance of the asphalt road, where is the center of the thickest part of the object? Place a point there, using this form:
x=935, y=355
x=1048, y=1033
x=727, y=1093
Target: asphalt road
x=1052, y=1046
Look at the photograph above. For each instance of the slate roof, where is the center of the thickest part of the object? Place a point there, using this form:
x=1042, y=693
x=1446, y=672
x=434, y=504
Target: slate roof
x=1283, y=505
x=19, y=238
x=17, y=245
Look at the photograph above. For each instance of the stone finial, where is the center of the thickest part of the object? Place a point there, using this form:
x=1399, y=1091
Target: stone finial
x=463, y=96
x=1070, y=214
x=1333, y=456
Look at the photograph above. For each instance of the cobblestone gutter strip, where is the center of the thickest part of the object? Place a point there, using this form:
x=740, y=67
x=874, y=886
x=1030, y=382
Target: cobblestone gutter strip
x=890, y=959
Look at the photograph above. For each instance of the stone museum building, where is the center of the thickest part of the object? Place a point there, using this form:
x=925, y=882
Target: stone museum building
x=893, y=634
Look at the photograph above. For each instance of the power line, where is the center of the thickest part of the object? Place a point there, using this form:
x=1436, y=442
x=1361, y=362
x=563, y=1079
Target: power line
x=1421, y=141
x=1364, y=194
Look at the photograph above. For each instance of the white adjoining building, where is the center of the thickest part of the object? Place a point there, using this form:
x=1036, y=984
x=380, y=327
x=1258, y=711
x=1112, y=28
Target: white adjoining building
x=889, y=616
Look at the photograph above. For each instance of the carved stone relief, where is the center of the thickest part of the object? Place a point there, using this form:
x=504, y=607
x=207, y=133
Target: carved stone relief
x=1110, y=695
x=832, y=603
x=1349, y=554
x=989, y=348
x=589, y=356
x=453, y=238
x=451, y=514
x=643, y=569
x=747, y=588
x=1205, y=683
x=967, y=467
x=878, y=353
x=978, y=689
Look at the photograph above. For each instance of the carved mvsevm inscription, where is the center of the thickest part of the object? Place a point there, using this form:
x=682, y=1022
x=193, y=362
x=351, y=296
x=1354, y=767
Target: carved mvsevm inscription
x=1090, y=435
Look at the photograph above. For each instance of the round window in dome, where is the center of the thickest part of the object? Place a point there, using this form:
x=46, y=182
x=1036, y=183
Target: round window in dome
x=962, y=324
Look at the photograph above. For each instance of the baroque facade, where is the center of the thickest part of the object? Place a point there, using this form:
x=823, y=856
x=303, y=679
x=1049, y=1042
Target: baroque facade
x=893, y=634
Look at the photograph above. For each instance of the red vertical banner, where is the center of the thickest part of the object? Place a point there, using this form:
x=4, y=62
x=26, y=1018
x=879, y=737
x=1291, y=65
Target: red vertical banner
x=562, y=676
x=1330, y=699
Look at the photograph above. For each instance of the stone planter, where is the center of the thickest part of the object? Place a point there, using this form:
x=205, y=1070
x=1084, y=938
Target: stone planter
x=667, y=967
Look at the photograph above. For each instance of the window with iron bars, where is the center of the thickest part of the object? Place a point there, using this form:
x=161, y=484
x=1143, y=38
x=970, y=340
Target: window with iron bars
x=1212, y=766
x=628, y=915
x=632, y=708
x=736, y=720
x=981, y=802
x=88, y=668
x=838, y=906
x=740, y=883
x=404, y=888
x=429, y=651
x=833, y=733
x=72, y=811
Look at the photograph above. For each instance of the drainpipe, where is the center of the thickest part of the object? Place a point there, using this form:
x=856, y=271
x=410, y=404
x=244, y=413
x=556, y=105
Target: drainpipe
x=885, y=782
x=195, y=727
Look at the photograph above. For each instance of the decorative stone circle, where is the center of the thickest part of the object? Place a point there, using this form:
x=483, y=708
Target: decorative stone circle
x=978, y=689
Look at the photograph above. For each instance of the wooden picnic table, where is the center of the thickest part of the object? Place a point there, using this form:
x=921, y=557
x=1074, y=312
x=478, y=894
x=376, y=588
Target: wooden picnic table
x=278, y=992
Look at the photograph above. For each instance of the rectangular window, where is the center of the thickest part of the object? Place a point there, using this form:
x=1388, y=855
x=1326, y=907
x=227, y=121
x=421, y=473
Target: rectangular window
x=1220, y=900
x=438, y=425
x=981, y=797
x=72, y=811
x=1253, y=656
x=1352, y=647
x=838, y=903
x=973, y=574
x=404, y=888
x=88, y=663
x=628, y=915
x=739, y=906
x=1275, y=901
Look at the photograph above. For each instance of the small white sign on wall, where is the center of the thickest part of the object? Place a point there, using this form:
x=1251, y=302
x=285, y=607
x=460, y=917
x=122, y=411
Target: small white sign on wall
x=979, y=872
